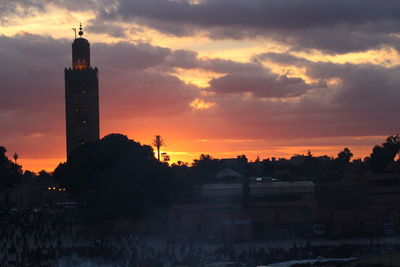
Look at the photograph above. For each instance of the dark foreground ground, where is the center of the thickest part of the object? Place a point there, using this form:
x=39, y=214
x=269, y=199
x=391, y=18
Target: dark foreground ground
x=53, y=239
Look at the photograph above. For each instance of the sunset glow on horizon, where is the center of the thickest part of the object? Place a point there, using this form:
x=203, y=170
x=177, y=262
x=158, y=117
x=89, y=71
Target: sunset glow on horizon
x=187, y=152
x=256, y=85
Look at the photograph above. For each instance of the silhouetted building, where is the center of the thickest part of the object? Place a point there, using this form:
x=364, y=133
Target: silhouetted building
x=277, y=210
x=81, y=97
x=342, y=194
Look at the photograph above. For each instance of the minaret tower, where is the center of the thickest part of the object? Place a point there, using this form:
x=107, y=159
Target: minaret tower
x=81, y=96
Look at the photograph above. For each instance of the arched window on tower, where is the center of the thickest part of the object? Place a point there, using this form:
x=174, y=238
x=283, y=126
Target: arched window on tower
x=80, y=64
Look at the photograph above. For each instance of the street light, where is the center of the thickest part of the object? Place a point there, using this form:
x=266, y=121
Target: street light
x=53, y=189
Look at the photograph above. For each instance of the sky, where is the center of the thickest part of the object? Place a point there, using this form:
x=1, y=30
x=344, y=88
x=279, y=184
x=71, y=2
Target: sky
x=222, y=77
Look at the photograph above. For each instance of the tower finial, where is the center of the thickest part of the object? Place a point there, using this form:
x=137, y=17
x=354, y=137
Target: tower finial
x=80, y=30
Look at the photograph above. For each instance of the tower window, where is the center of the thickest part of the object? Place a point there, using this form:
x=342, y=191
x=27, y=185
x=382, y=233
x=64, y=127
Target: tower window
x=82, y=90
x=81, y=119
x=81, y=109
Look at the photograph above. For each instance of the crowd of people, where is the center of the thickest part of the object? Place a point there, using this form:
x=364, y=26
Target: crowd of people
x=53, y=239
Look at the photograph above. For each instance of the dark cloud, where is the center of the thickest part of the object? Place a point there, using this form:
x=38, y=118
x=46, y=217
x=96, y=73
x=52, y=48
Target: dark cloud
x=249, y=77
x=356, y=100
x=271, y=14
x=281, y=58
x=125, y=56
x=335, y=26
x=31, y=74
x=20, y=8
x=362, y=88
x=267, y=85
x=187, y=59
x=356, y=88
x=113, y=30
x=10, y=9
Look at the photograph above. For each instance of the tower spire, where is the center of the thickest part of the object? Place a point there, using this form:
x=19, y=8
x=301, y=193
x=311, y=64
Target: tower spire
x=80, y=52
x=80, y=30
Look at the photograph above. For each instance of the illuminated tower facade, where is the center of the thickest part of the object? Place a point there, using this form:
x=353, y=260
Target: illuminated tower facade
x=81, y=97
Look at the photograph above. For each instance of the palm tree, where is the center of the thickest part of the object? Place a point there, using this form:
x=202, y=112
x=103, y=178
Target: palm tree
x=158, y=142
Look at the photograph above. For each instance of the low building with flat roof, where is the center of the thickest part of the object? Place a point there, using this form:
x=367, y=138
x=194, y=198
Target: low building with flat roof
x=276, y=210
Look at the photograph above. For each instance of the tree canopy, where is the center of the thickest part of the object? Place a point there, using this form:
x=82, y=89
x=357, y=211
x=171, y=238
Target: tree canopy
x=116, y=177
x=345, y=155
x=382, y=156
x=10, y=172
x=205, y=167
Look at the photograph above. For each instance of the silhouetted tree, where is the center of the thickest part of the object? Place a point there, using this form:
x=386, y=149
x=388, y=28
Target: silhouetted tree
x=28, y=175
x=116, y=177
x=392, y=144
x=206, y=167
x=10, y=174
x=379, y=159
x=180, y=163
x=384, y=155
x=43, y=175
x=345, y=156
x=158, y=142
x=310, y=167
x=182, y=176
x=203, y=159
x=165, y=157
x=15, y=157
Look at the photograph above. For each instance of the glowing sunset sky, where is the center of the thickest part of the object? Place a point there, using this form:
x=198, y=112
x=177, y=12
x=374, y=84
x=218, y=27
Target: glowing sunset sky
x=225, y=77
